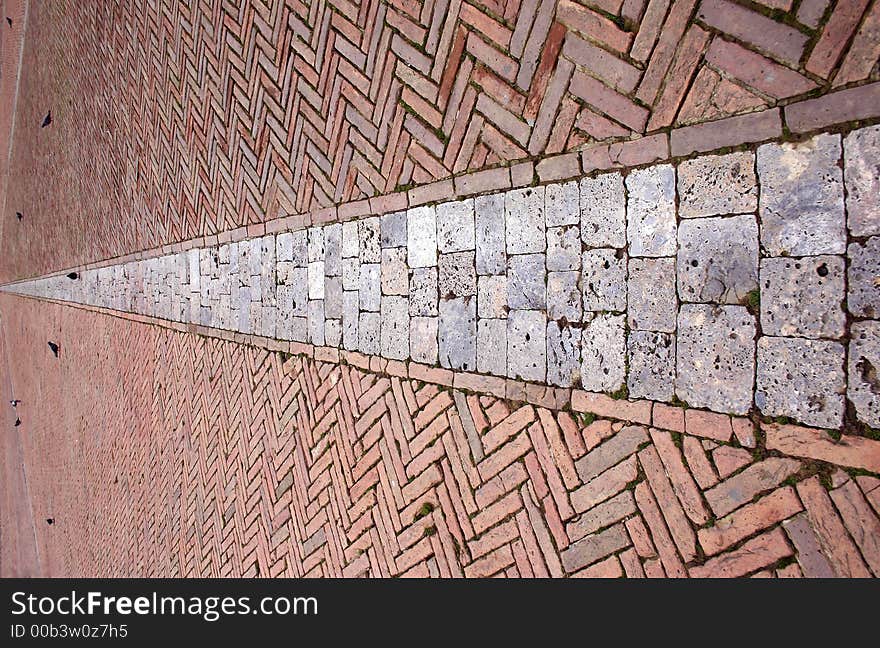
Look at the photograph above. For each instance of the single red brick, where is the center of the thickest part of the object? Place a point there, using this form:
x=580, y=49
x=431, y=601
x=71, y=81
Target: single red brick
x=728, y=460
x=757, y=71
x=834, y=108
x=732, y=131
x=758, y=552
x=860, y=521
x=864, y=51
x=850, y=450
x=835, y=35
x=667, y=417
x=708, y=425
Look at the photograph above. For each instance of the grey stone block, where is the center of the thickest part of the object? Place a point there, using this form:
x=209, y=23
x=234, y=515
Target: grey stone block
x=801, y=202
x=421, y=236
x=423, y=292
x=863, y=386
x=395, y=273
x=298, y=293
x=861, y=156
x=316, y=245
x=284, y=247
x=457, y=334
x=717, y=259
x=526, y=345
x=350, y=317
x=524, y=220
x=563, y=248
x=803, y=297
x=526, y=281
x=801, y=379
x=562, y=204
x=351, y=273
x=300, y=248
x=370, y=288
x=563, y=355
x=604, y=280
x=333, y=250
x=333, y=333
x=492, y=346
x=333, y=297
x=455, y=226
x=316, y=280
x=369, y=243
x=369, y=327
x=489, y=215
x=603, y=211
x=651, y=295
x=395, y=328
x=651, y=365
x=715, y=357
x=603, y=348
x=492, y=296
x=564, y=296
x=457, y=275
x=423, y=339
x=717, y=184
x=650, y=209
x=316, y=321
x=863, y=298
x=350, y=240
x=392, y=228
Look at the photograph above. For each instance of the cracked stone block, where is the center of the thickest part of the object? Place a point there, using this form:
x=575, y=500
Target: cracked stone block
x=492, y=296
x=351, y=273
x=316, y=280
x=489, y=216
x=801, y=379
x=715, y=185
x=863, y=387
x=603, y=348
x=369, y=340
x=563, y=248
x=421, y=237
x=423, y=292
x=370, y=287
x=457, y=334
x=423, y=339
x=350, y=240
x=392, y=228
x=526, y=345
x=861, y=156
x=562, y=204
x=350, y=317
x=715, y=357
x=604, y=280
x=333, y=250
x=563, y=355
x=650, y=209
x=863, y=298
x=395, y=328
x=803, y=297
x=455, y=226
x=526, y=281
x=369, y=243
x=333, y=297
x=603, y=211
x=717, y=259
x=395, y=273
x=651, y=365
x=524, y=220
x=316, y=245
x=492, y=346
x=457, y=275
x=651, y=295
x=316, y=321
x=332, y=333
x=801, y=202
x=564, y=296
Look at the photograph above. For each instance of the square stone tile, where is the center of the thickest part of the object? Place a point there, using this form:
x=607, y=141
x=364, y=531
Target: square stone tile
x=370, y=288
x=369, y=327
x=651, y=365
x=489, y=215
x=458, y=275
x=863, y=298
x=604, y=279
x=455, y=226
x=801, y=203
x=563, y=355
x=803, y=297
x=395, y=328
x=526, y=281
x=524, y=220
x=369, y=240
x=492, y=296
x=526, y=345
x=492, y=346
x=801, y=379
x=421, y=236
x=564, y=296
x=392, y=229
x=395, y=273
x=863, y=385
x=562, y=204
x=423, y=292
x=603, y=348
x=563, y=248
x=423, y=339
x=457, y=334
x=717, y=184
x=603, y=211
x=651, y=295
x=650, y=211
x=861, y=158
x=715, y=357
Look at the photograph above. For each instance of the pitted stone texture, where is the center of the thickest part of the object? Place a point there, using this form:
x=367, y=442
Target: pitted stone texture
x=715, y=185
x=395, y=328
x=298, y=293
x=458, y=333
x=863, y=298
x=861, y=156
x=392, y=230
x=604, y=280
x=423, y=339
x=455, y=226
x=562, y=204
x=351, y=273
x=801, y=202
x=526, y=345
x=369, y=327
x=333, y=250
x=316, y=321
x=564, y=296
x=524, y=220
x=803, y=297
x=423, y=292
x=492, y=346
x=421, y=236
x=651, y=299
x=491, y=248
x=369, y=242
x=395, y=274
x=801, y=379
x=563, y=355
x=333, y=297
x=458, y=276
x=563, y=248
x=350, y=240
x=332, y=332
x=492, y=296
x=526, y=281
x=350, y=317
x=863, y=385
x=717, y=259
x=603, y=211
x=715, y=357
x=651, y=365
x=370, y=286
x=603, y=348
x=650, y=210
x=316, y=245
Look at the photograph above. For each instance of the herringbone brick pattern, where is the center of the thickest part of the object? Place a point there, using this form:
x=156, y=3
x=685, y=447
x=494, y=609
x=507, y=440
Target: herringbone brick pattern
x=162, y=453
x=174, y=119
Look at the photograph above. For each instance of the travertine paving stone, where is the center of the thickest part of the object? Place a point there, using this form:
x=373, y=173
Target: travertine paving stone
x=350, y=240
x=717, y=259
x=650, y=211
x=651, y=299
x=316, y=322
x=564, y=296
x=370, y=288
x=423, y=292
x=604, y=280
x=863, y=384
x=350, y=317
x=526, y=345
x=863, y=296
x=803, y=297
x=524, y=220
x=423, y=339
x=369, y=328
x=800, y=378
x=369, y=240
x=526, y=281
x=458, y=276
x=421, y=236
x=492, y=296
x=562, y=204
x=333, y=297
x=455, y=226
x=395, y=327
x=457, y=334
x=491, y=246
x=651, y=365
x=333, y=250
x=392, y=230
x=316, y=246
x=316, y=280
x=563, y=354
x=717, y=185
x=715, y=357
x=394, y=271
x=332, y=332
x=492, y=346
x=801, y=205
x=603, y=346
x=603, y=211
x=563, y=248
x=861, y=159
x=351, y=273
